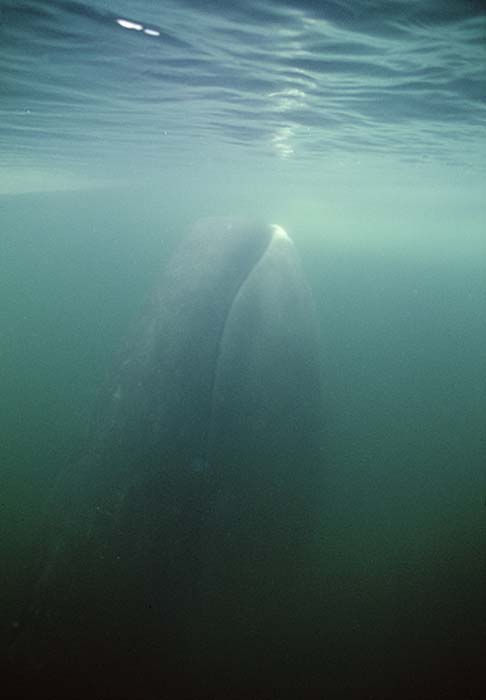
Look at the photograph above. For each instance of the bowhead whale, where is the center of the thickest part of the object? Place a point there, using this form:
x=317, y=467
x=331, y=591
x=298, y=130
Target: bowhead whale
x=177, y=544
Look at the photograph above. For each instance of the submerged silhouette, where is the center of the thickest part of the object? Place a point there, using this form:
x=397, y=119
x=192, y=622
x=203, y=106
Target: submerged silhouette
x=178, y=547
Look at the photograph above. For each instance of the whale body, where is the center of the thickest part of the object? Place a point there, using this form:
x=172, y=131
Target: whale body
x=180, y=538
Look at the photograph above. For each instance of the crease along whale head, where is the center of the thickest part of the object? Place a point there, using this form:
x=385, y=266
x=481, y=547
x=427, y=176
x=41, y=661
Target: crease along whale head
x=279, y=232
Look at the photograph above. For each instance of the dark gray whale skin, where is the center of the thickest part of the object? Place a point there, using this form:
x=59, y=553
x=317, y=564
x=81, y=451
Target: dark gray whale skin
x=176, y=549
